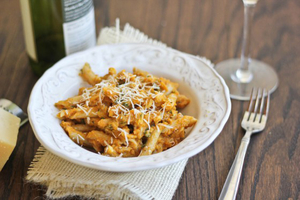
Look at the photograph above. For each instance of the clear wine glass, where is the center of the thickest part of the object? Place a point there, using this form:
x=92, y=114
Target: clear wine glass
x=241, y=75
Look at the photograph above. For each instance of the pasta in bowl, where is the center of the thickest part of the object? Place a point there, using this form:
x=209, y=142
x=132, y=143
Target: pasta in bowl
x=209, y=105
x=124, y=114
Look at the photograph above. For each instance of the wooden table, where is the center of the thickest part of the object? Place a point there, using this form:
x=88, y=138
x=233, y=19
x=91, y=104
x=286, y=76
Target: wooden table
x=210, y=28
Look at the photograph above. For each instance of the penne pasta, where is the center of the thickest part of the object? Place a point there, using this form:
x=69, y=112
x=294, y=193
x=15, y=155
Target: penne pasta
x=151, y=142
x=125, y=114
x=88, y=75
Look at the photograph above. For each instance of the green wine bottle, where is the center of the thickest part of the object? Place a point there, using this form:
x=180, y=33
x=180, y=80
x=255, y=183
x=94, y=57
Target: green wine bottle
x=56, y=28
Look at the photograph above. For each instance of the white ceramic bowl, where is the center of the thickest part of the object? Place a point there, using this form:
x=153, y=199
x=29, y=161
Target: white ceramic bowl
x=210, y=102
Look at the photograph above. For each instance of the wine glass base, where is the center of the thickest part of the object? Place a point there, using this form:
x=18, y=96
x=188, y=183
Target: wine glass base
x=264, y=76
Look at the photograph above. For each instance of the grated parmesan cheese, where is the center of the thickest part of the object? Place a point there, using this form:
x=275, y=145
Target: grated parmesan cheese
x=125, y=135
x=167, y=126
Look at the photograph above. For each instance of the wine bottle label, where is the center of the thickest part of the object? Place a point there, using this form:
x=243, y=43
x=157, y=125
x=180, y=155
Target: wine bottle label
x=28, y=29
x=79, y=25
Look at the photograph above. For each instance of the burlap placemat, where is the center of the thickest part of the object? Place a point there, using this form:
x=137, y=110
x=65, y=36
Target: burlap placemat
x=64, y=179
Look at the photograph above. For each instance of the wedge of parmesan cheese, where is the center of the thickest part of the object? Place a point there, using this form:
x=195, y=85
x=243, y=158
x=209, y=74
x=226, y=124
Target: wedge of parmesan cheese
x=9, y=128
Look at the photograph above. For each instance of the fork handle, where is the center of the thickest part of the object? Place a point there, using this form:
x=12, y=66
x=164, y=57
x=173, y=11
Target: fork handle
x=231, y=185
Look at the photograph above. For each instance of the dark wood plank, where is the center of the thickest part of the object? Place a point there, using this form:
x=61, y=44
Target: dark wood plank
x=210, y=28
x=16, y=81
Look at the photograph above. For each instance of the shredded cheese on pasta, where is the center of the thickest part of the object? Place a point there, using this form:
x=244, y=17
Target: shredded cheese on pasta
x=125, y=114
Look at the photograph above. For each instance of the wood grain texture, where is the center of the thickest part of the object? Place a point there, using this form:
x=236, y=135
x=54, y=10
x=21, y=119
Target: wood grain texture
x=210, y=28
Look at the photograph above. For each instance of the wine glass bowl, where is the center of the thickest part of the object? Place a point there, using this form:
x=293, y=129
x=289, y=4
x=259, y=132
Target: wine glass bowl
x=242, y=74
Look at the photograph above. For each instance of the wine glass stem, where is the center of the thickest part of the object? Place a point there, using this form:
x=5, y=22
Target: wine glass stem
x=243, y=74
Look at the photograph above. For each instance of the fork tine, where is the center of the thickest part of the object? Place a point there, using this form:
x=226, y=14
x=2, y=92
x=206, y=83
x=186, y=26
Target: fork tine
x=262, y=104
x=257, y=100
x=250, y=105
x=267, y=104
x=251, y=100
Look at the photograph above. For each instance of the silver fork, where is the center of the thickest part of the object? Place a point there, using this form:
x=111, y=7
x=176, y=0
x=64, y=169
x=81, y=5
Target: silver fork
x=14, y=109
x=254, y=121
